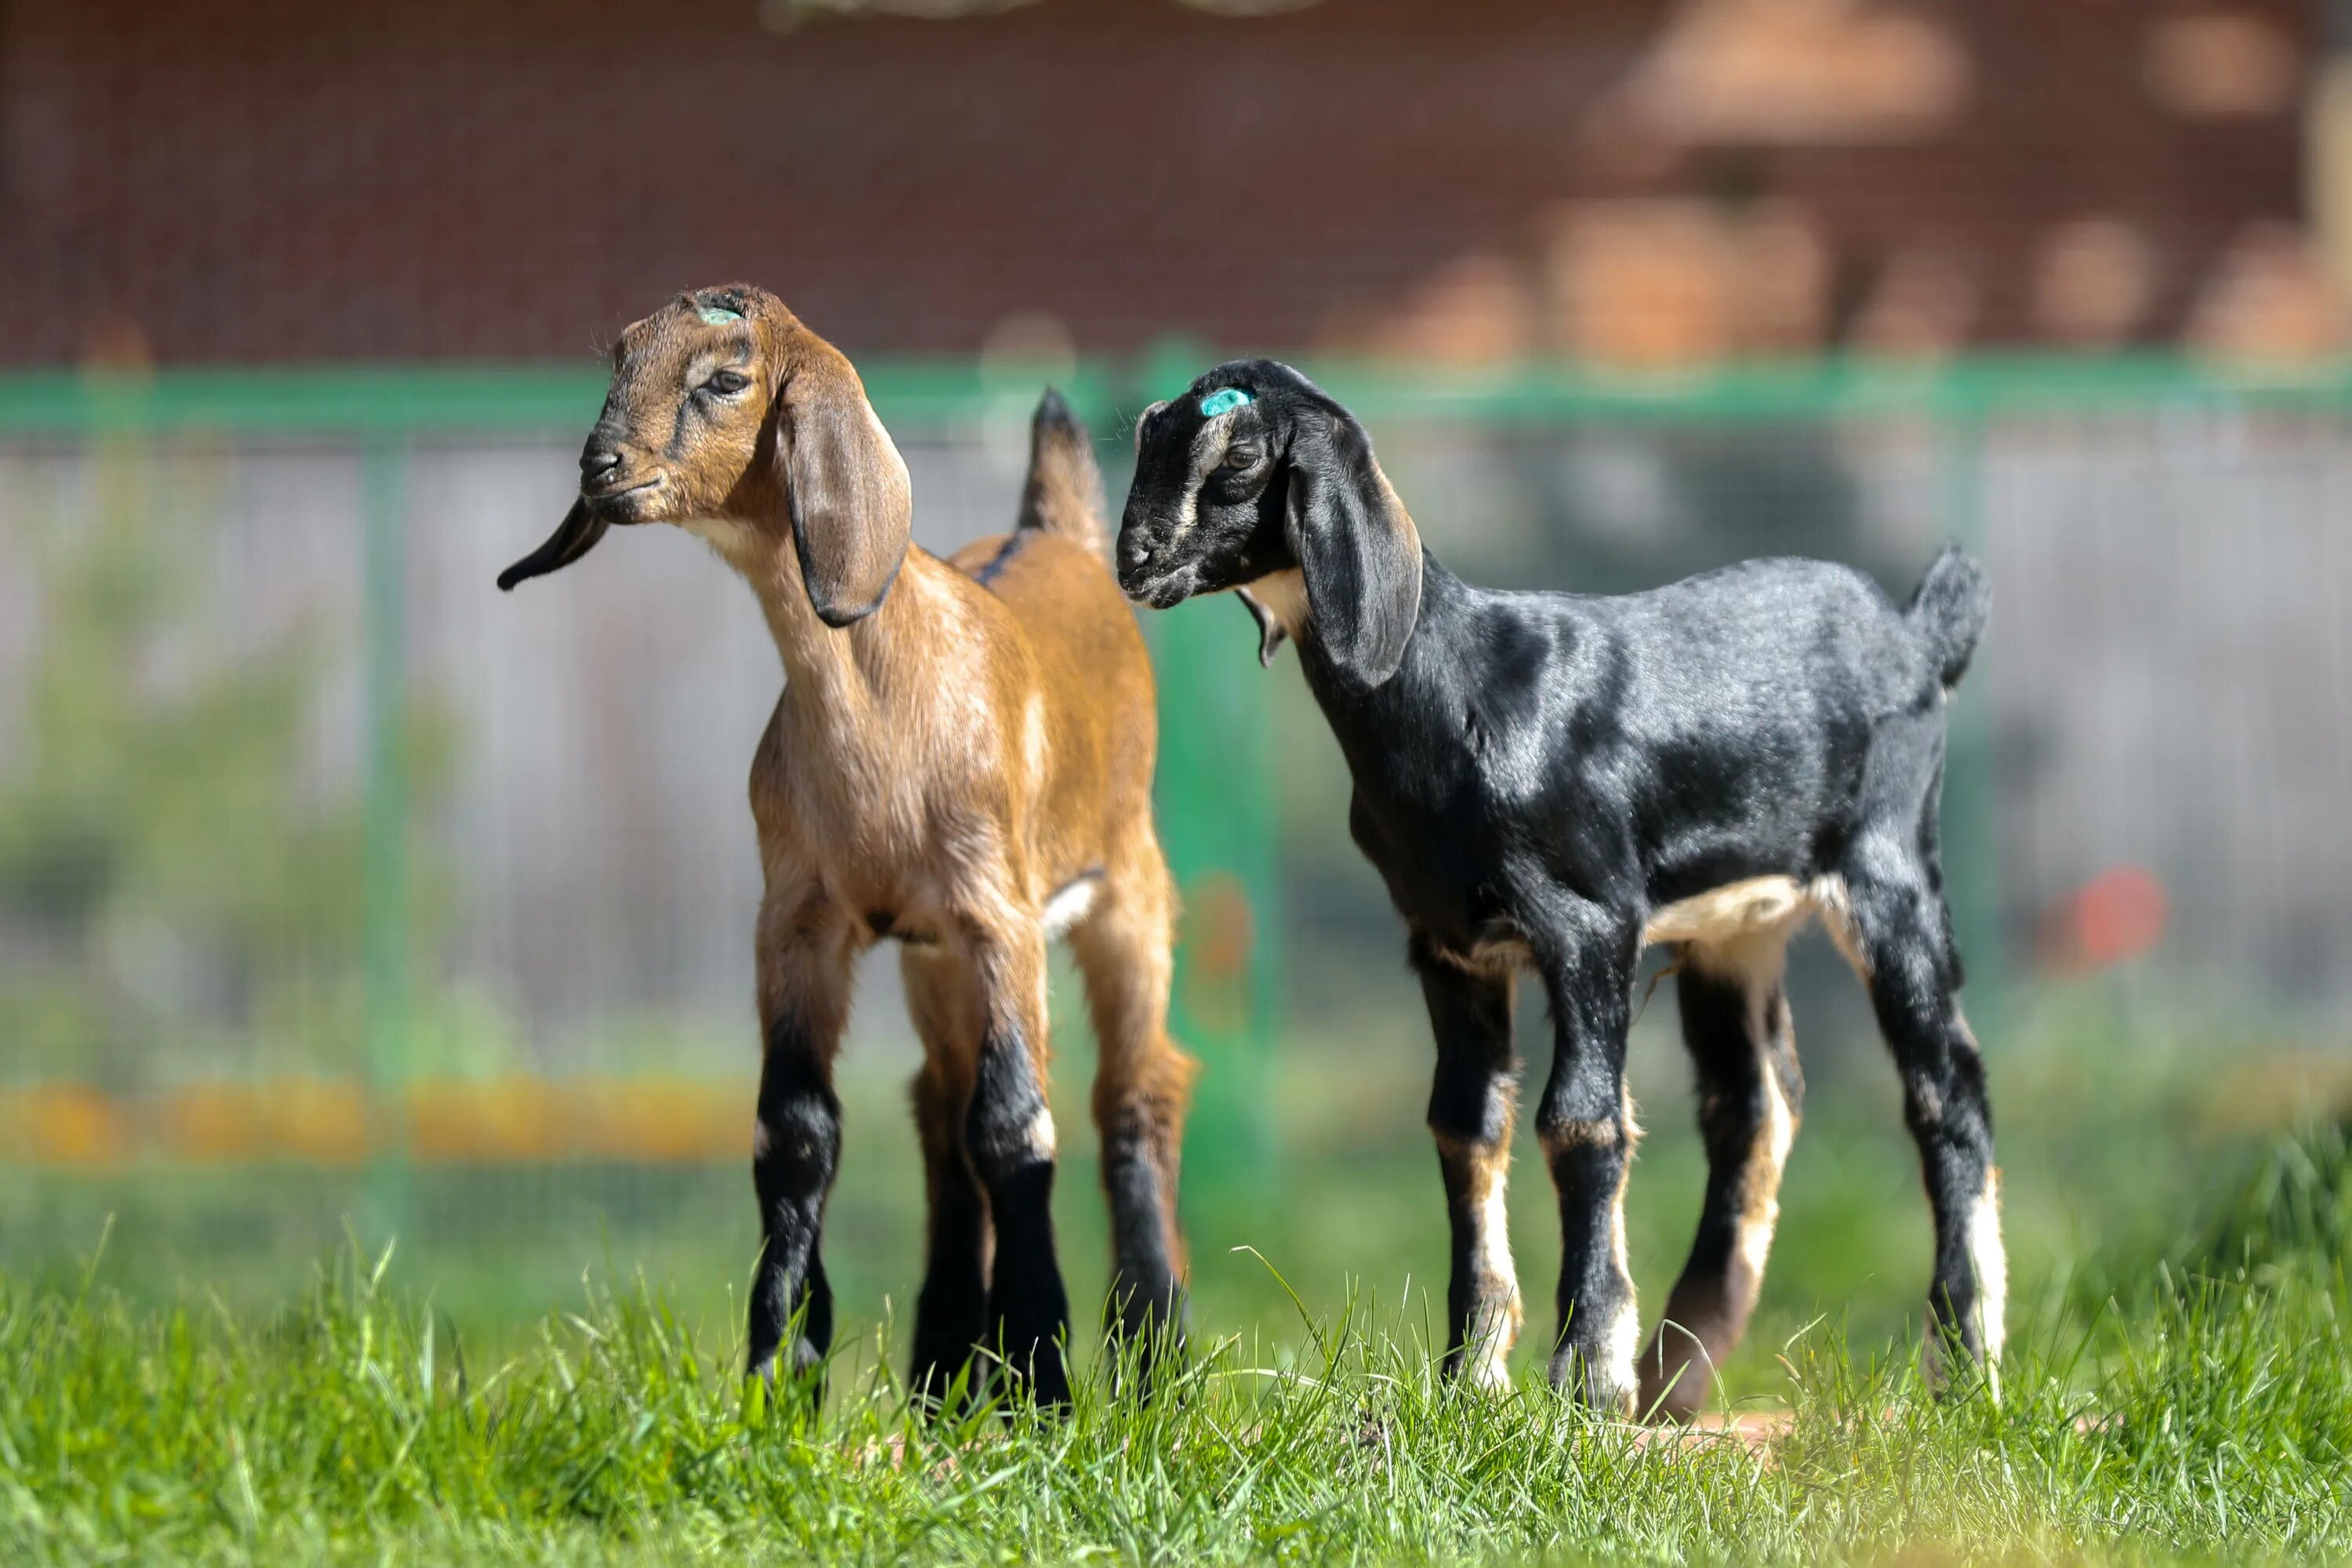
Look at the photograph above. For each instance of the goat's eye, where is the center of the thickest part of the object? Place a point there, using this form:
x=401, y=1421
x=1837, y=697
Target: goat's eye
x=1239, y=456
x=727, y=382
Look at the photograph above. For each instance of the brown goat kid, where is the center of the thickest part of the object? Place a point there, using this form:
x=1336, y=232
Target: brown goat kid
x=961, y=760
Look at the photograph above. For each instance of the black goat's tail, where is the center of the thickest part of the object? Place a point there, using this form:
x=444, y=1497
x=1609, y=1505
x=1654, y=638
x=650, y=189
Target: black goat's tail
x=1948, y=610
x=1064, y=494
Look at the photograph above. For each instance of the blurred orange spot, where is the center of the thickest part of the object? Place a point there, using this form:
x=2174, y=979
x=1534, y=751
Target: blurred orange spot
x=208, y=1124
x=311, y=1120
x=1215, y=939
x=2118, y=915
x=66, y=1125
x=512, y=1119
x=1218, y=931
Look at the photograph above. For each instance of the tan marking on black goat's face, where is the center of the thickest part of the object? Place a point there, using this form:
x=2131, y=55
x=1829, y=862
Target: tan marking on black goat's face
x=685, y=423
x=1204, y=512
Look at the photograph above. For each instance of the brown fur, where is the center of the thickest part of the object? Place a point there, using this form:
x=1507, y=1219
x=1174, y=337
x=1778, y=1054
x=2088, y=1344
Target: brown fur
x=946, y=756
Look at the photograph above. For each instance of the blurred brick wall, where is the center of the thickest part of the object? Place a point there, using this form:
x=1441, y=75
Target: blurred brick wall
x=259, y=180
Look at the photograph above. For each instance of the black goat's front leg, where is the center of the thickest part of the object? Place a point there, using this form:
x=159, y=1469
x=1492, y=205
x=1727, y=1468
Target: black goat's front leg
x=1586, y=1125
x=1472, y=1100
x=1009, y=1132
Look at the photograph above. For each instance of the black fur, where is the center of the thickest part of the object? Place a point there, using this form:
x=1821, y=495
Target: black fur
x=800, y=1122
x=1535, y=774
x=1028, y=1309
x=1144, y=1299
x=1478, y=1071
x=952, y=1311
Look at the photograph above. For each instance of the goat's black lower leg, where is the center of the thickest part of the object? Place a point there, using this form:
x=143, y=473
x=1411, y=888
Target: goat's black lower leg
x=1586, y=1125
x=952, y=1311
x=796, y=1146
x=1472, y=1100
x=1736, y=1025
x=1009, y=1133
x=1145, y=1308
x=1143, y=1086
x=1914, y=975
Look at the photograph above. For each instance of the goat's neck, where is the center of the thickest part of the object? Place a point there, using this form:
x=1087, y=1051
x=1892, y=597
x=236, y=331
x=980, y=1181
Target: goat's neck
x=835, y=676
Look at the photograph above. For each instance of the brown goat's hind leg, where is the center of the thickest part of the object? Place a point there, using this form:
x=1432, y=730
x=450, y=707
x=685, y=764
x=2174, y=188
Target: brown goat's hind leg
x=1743, y=1051
x=805, y=970
x=951, y=1311
x=1143, y=1086
x=1008, y=1131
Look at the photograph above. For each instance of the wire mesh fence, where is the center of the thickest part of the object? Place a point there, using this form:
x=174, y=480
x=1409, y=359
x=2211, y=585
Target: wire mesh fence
x=319, y=859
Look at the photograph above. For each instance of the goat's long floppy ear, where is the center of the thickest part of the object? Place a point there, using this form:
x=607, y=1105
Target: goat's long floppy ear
x=844, y=484
x=575, y=536
x=1359, y=552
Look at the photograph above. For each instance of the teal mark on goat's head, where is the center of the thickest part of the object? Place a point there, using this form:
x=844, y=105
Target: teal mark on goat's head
x=1225, y=400
x=719, y=315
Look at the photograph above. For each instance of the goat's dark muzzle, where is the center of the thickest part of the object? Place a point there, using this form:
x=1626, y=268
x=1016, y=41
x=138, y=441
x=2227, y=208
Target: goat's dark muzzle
x=1140, y=568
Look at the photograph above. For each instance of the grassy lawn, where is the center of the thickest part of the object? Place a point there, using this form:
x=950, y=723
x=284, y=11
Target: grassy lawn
x=2179, y=1381
x=2190, y=1400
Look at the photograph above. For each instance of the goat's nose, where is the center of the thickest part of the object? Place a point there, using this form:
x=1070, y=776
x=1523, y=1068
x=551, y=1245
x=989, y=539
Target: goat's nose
x=595, y=465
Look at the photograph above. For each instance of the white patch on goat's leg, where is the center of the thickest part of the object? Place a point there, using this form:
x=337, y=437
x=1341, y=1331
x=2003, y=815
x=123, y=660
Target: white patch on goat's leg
x=1990, y=1262
x=1613, y=1383
x=1752, y=1237
x=1071, y=903
x=1494, y=1326
x=1039, y=1138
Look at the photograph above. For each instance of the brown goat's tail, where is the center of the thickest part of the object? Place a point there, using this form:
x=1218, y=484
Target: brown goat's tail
x=1064, y=494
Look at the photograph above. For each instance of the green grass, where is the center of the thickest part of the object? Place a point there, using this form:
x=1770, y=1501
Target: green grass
x=2204, y=1412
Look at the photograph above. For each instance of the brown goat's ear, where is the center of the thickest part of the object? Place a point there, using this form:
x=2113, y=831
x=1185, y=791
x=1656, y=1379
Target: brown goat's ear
x=1359, y=552
x=575, y=536
x=845, y=485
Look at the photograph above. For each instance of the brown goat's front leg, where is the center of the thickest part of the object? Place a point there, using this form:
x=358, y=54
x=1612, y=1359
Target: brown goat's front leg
x=1009, y=1132
x=1143, y=1086
x=952, y=1311
x=804, y=972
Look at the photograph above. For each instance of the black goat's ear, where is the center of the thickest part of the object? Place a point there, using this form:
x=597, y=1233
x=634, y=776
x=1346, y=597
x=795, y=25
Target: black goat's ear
x=845, y=485
x=1270, y=633
x=575, y=536
x=1358, y=549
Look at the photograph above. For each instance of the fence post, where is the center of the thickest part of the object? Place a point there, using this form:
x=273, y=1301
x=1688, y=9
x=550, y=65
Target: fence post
x=1216, y=802
x=384, y=923
x=1971, y=826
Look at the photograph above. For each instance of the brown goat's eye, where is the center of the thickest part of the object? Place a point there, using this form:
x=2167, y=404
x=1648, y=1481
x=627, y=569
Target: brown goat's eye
x=727, y=382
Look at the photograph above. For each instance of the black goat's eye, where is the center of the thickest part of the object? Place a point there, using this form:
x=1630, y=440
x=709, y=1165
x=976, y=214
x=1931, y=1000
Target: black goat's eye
x=727, y=382
x=1239, y=456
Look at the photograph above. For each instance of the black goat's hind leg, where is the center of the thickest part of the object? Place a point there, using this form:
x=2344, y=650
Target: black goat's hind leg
x=1913, y=971
x=1736, y=1026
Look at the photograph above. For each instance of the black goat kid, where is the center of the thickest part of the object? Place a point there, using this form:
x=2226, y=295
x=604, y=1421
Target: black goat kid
x=1549, y=781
